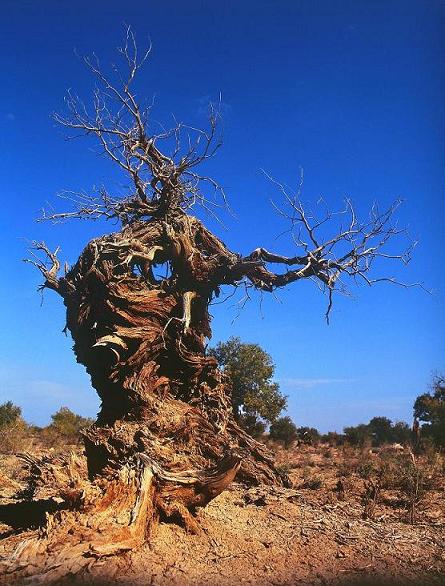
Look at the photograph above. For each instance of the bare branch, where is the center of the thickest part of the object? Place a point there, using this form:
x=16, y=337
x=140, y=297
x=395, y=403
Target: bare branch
x=332, y=248
x=121, y=127
x=49, y=266
x=351, y=251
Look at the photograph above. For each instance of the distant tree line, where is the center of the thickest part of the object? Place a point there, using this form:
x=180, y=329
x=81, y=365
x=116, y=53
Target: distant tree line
x=257, y=404
x=379, y=431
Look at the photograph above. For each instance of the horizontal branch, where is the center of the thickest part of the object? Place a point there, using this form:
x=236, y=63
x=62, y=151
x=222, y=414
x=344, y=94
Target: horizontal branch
x=349, y=252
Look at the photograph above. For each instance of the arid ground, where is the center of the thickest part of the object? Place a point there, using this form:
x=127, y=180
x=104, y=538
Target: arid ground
x=313, y=533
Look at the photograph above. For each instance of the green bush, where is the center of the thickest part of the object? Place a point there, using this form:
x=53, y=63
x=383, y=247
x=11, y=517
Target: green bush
x=284, y=430
x=65, y=427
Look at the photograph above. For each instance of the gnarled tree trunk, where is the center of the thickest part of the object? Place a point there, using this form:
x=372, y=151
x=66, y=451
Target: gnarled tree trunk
x=165, y=441
x=142, y=339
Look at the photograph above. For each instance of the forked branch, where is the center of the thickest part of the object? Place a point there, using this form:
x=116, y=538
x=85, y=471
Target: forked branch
x=49, y=266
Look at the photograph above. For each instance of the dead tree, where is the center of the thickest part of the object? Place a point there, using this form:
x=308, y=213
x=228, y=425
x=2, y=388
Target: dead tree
x=165, y=441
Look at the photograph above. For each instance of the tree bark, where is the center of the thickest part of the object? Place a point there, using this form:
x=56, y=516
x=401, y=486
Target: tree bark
x=142, y=339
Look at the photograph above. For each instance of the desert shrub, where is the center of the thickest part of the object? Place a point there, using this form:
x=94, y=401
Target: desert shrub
x=349, y=461
x=377, y=475
x=417, y=477
x=310, y=462
x=342, y=488
x=308, y=435
x=65, y=427
x=412, y=477
x=371, y=496
x=14, y=432
x=284, y=430
x=365, y=470
x=284, y=468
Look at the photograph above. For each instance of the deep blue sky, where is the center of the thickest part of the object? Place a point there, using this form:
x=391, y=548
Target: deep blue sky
x=351, y=91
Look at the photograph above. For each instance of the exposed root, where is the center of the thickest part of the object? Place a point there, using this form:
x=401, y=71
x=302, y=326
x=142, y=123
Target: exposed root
x=108, y=521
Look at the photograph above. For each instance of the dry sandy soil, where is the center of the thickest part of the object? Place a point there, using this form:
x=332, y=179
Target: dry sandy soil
x=269, y=536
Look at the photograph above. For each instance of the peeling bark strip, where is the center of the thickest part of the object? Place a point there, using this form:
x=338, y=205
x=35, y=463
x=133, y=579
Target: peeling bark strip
x=165, y=441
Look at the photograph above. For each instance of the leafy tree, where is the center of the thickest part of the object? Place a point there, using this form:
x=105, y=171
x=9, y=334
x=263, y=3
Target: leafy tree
x=285, y=430
x=429, y=408
x=9, y=414
x=381, y=430
x=250, y=370
x=401, y=432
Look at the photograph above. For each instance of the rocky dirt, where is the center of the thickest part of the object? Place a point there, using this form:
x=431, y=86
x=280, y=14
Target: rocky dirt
x=306, y=535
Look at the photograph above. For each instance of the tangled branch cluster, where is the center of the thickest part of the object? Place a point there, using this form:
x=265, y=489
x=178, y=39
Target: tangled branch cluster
x=165, y=187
